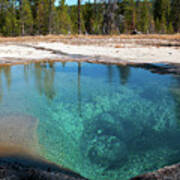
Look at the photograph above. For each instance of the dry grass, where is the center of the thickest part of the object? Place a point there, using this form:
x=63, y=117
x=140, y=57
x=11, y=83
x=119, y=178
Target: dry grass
x=54, y=38
x=116, y=41
x=118, y=46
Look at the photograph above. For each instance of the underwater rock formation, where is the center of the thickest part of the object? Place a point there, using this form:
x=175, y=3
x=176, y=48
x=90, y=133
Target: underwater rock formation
x=121, y=134
x=102, y=141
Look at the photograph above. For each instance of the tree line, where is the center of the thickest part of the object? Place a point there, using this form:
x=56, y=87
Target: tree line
x=41, y=17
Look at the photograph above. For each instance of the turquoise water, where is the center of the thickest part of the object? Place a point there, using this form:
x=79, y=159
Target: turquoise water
x=104, y=122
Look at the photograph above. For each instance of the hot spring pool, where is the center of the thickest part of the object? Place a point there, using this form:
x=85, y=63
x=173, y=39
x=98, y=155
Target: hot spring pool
x=101, y=121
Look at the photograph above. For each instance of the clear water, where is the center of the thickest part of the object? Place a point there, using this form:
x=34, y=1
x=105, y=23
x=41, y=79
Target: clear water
x=104, y=122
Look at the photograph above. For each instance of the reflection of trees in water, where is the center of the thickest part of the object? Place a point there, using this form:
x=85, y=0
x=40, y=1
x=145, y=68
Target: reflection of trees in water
x=6, y=71
x=27, y=70
x=124, y=73
x=49, y=89
x=38, y=77
x=63, y=64
x=110, y=73
x=79, y=88
x=7, y=74
x=44, y=79
x=1, y=88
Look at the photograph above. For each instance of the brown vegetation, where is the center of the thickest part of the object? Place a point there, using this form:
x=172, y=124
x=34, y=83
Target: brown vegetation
x=54, y=38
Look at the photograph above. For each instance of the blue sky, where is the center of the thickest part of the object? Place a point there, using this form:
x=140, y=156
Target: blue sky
x=69, y=2
x=72, y=2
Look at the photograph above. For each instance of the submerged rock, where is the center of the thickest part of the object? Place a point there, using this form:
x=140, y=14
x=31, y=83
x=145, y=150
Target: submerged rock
x=107, y=150
x=102, y=141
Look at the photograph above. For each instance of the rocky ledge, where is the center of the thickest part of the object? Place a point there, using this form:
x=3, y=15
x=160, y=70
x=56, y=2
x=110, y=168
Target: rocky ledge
x=17, y=171
x=166, y=173
x=22, y=168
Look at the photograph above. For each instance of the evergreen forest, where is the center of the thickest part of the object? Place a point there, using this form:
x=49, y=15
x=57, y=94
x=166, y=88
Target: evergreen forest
x=42, y=17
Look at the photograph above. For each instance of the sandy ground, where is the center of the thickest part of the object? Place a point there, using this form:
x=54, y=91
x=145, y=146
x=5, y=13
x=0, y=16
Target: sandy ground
x=115, y=49
x=18, y=130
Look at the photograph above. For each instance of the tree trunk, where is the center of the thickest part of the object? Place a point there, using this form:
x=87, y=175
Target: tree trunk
x=21, y=18
x=79, y=16
x=50, y=18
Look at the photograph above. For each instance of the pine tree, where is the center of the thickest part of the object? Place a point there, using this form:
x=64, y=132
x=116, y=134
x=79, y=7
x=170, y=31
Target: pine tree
x=8, y=29
x=64, y=21
x=97, y=18
x=74, y=20
x=46, y=17
x=34, y=10
x=26, y=19
x=79, y=16
x=8, y=18
x=144, y=20
x=73, y=16
x=88, y=13
x=14, y=21
x=161, y=13
x=109, y=17
x=170, y=29
x=175, y=15
x=157, y=25
x=130, y=15
x=163, y=23
x=2, y=15
x=93, y=18
x=51, y=16
x=42, y=18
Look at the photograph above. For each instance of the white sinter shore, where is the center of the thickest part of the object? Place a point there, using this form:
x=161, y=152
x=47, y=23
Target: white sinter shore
x=17, y=52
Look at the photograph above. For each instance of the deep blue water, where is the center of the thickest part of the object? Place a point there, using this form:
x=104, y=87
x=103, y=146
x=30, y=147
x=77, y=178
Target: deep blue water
x=102, y=121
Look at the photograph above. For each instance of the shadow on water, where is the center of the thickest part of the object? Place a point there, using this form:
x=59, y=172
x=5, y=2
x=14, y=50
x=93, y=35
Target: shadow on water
x=44, y=77
x=160, y=68
x=124, y=73
x=5, y=72
x=79, y=89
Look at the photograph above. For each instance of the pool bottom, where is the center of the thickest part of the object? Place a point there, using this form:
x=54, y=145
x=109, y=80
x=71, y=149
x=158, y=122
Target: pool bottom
x=102, y=143
x=103, y=122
